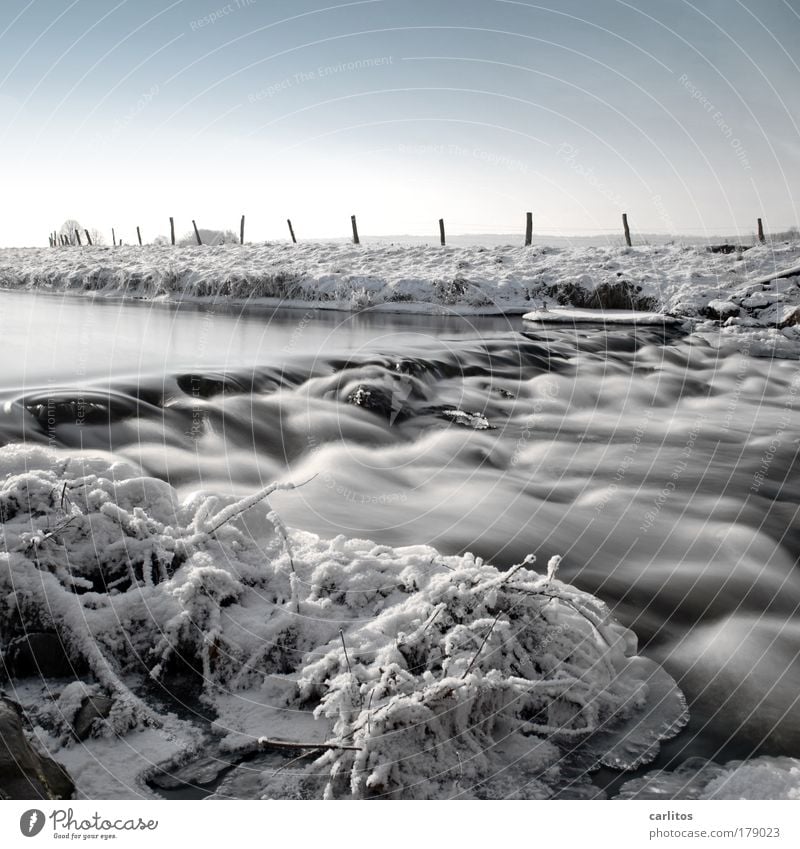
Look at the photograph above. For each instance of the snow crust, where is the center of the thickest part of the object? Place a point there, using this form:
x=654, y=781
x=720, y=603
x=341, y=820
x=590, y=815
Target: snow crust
x=418, y=675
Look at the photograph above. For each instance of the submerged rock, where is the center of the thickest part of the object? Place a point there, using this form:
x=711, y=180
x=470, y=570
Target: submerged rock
x=387, y=404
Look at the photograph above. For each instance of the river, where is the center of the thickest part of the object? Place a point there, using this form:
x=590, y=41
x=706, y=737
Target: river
x=662, y=467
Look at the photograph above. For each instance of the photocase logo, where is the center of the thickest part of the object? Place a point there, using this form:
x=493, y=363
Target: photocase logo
x=31, y=822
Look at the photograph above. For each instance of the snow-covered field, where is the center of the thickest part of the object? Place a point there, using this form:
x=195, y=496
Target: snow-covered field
x=679, y=280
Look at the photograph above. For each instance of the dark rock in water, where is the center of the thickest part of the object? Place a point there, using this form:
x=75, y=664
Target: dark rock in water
x=92, y=708
x=40, y=655
x=720, y=310
x=26, y=773
x=196, y=774
x=384, y=403
x=84, y=407
x=208, y=385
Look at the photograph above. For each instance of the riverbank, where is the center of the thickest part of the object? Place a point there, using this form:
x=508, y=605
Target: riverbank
x=687, y=281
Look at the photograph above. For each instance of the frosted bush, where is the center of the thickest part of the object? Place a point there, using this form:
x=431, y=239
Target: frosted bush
x=434, y=676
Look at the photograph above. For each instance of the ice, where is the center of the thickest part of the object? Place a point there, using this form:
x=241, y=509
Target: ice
x=584, y=316
x=760, y=778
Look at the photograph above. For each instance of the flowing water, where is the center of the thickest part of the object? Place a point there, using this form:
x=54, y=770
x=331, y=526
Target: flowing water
x=662, y=467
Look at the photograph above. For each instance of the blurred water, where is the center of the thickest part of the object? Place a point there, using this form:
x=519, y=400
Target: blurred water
x=663, y=469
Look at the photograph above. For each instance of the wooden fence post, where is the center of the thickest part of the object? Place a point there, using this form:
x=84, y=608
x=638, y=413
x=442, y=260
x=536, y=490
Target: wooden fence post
x=441, y=231
x=291, y=230
x=139, y=236
x=88, y=237
x=113, y=237
x=627, y=230
x=761, y=231
x=356, y=240
x=78, y=237
x=241, y=231
x=172, y=229
x=528, y=229
x=196, y=233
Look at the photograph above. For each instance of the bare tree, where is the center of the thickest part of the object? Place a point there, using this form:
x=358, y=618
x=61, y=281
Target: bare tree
x=68, y=229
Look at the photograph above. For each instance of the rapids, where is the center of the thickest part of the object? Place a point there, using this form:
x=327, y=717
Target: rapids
x=662, y=467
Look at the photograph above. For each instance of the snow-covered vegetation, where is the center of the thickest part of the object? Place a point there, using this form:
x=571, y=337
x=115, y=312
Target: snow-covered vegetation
x=403, y=673
x=689, y=281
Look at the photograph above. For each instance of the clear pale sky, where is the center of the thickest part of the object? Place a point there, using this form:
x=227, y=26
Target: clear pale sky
x=124, y=112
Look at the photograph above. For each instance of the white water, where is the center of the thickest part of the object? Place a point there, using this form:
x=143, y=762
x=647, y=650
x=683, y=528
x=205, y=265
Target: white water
x=663, y=470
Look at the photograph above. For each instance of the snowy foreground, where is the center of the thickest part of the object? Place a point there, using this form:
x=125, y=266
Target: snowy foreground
x=375, y=672
x=732, y=288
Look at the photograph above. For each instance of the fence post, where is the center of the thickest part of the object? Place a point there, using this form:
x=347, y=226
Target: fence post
x=139, y=236
x=528, y=229
x=356, y=240
x=441, y=231
x=196, y=233
x=113, y=237
x=78, y=237
x=627, y=230
x=761, y=231
x=172, y=229
x=241, y=231
x=291, y=230
x=88, y=237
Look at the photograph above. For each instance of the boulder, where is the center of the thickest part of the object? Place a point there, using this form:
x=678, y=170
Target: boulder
x=26, y=773
x=720, y=310
x=92, y=708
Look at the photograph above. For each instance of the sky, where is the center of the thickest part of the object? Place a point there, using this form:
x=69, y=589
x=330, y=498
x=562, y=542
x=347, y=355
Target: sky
x=125, y=112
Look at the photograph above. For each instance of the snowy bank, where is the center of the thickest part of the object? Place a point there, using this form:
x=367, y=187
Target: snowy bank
x=395, y=672
x=678, y=280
